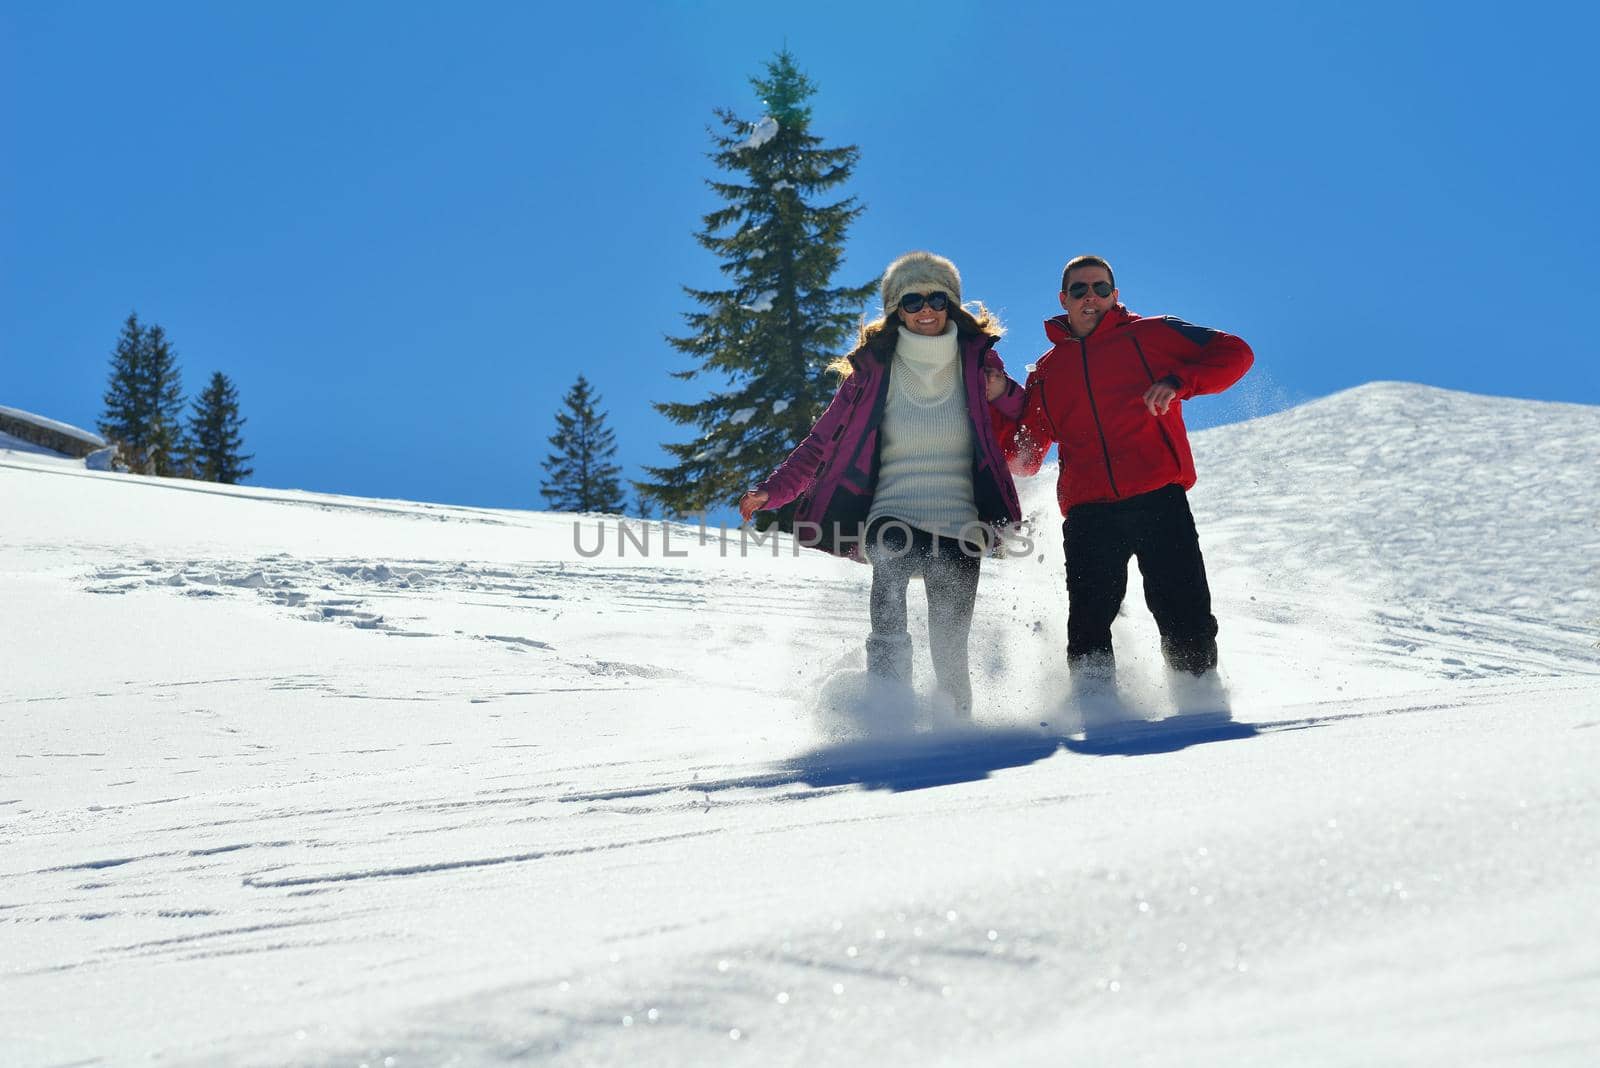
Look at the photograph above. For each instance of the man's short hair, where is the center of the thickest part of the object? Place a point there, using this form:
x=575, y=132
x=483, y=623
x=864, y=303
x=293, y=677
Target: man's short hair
x=1087, y=261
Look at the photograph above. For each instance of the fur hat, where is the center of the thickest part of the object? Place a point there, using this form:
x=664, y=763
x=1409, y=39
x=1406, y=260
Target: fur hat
x=920, y=272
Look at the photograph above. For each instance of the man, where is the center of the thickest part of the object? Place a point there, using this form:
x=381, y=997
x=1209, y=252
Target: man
x=1110, y=391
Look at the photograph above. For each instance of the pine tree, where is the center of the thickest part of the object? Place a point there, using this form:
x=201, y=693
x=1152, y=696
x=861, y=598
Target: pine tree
x=125, y=422
x=211, y=447
x=144, y=400
x=582, y=478
x=770, y=335
x=162, y=389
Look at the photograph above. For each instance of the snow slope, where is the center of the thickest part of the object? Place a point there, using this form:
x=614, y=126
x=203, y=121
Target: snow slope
x=300, y=779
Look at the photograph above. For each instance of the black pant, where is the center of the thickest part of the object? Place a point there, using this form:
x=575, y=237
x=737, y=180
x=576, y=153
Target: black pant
x=949, y=569
x=1157, y=528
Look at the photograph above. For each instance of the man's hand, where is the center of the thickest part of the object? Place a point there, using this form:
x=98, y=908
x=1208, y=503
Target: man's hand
x=750, y=503
x=994, y=383
x=1159, y=397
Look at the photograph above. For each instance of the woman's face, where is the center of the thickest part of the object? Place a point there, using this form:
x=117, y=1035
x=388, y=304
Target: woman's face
x=925, y=320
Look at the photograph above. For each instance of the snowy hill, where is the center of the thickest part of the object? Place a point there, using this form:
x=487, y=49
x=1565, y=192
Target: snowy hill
x=1423, y=494
x=1467, y=526
x=297, y=778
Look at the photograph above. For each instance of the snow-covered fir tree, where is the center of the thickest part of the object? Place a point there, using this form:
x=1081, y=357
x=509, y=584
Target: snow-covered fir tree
x=212, y=446
x=582, y=477
x=144, y=400
x=766, y=339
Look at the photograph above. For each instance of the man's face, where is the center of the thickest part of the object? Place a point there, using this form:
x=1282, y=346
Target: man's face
x=1085, y=309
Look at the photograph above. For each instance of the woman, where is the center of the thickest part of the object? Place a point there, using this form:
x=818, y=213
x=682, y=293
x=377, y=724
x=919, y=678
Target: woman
x=905, y=468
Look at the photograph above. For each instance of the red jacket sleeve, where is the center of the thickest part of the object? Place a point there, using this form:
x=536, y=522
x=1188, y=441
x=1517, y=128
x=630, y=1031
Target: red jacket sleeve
x=1209, y=361
x=791, y=477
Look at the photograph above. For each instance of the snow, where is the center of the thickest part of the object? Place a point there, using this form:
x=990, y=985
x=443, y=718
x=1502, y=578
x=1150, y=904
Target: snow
x=37, y=453
x=781, y=185
x=50, y=424
x=761, y=132
x=779, y=407
x=298, y=778
x=763, y=301
x=741, y=416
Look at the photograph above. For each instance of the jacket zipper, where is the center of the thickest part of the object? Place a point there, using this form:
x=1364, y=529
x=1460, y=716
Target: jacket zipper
x=1173, y=449
x=1094, y=409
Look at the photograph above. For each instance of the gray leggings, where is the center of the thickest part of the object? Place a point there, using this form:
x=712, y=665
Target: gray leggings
x=949, y=570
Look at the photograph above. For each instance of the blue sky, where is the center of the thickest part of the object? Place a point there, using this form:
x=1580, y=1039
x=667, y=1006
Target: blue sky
x=403, y=229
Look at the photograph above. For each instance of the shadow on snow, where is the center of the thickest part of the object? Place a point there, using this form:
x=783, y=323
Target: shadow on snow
x=947, y=757
x=954, y=756
x=916, y=762
x=1159, y=736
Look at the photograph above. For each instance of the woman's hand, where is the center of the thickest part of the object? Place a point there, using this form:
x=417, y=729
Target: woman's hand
x=751, y=502
x=995, y=384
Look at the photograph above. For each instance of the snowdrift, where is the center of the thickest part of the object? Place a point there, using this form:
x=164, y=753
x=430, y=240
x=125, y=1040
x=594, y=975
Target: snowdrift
x=300, y=778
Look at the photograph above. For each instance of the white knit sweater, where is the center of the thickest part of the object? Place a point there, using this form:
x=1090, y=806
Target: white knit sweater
x=925, y=451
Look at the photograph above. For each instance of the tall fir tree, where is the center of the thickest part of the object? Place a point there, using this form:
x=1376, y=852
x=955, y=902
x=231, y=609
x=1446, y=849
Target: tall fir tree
x=126, y=420
x=771, y=333
x=582, y=477
x=144, y=400
x=163, y=397
x=213, y=443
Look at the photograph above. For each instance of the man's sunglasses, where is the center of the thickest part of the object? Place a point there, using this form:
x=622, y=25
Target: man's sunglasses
x=1078, y=289
x=913, y=302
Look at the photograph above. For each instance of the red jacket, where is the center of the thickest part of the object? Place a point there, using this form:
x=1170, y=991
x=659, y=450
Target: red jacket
x=1087, y=394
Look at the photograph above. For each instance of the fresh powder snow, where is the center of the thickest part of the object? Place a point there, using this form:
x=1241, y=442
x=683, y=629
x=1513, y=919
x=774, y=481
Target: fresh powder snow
x=292, y=778
x=761, y=132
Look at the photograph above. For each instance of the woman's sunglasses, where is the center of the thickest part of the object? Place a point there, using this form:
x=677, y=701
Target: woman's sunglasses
x=1078, y=289
x=913, y=302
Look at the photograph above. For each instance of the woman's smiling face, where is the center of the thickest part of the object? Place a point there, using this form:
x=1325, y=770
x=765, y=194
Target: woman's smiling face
x=925, y=320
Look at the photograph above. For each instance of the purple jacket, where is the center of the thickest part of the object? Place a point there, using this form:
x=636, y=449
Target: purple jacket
x=831, y=476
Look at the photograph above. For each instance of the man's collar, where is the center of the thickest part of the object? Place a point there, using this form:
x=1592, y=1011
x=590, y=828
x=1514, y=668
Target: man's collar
x=1059, y=328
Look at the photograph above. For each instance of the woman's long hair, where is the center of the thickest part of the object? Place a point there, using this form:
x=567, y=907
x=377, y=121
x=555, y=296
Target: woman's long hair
x=877, y=339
